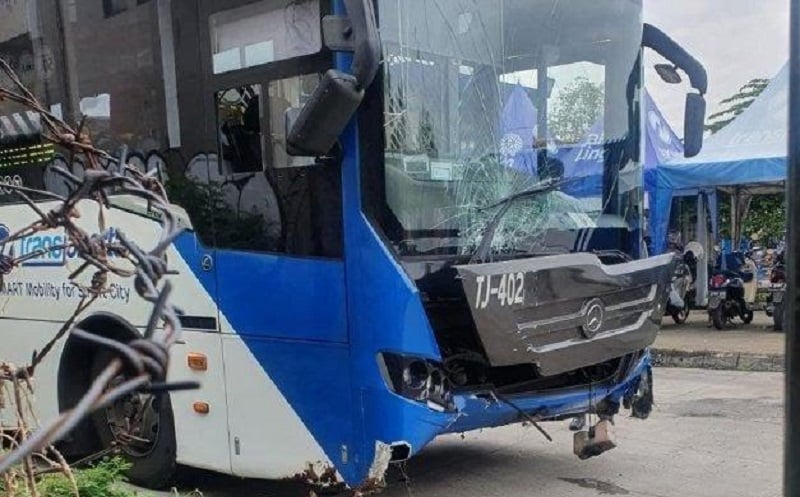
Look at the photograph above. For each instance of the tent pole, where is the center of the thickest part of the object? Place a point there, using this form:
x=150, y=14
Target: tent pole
x=792, y=378
x=713, y=204
x=701, y=284
x=735, y=219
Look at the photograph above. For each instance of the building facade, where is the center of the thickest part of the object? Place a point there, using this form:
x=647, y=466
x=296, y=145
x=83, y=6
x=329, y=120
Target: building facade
x=197, y=89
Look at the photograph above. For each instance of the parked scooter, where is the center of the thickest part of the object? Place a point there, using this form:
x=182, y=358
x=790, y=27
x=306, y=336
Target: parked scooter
x=681, y=292
x=730, y=294
x=777, y=291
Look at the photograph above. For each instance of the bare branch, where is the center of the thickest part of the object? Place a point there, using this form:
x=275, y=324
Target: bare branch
x=138, y=366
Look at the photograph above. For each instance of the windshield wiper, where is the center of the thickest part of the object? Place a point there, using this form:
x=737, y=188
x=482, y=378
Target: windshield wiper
x=505, y=204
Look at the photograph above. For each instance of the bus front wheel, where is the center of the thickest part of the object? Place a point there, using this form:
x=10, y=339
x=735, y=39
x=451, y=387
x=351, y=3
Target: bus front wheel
x=142, y=426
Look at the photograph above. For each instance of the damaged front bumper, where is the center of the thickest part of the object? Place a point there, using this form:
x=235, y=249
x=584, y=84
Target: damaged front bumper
x=482, y=410
x=402, y=427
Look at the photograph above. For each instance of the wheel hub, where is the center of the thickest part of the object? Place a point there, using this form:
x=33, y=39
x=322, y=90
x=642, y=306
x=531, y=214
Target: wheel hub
x=134, y=422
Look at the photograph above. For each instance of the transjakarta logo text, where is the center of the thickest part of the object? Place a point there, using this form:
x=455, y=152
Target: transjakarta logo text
x=50, y=247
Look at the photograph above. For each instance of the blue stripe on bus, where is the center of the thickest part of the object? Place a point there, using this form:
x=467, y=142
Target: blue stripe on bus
x=282, y=297
x=336, y=390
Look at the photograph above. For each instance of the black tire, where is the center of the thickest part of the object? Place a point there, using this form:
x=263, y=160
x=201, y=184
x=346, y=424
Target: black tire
x=682, y=315
x=718, y=317
x=778, y=313
x=747, y=318
x=155, y=468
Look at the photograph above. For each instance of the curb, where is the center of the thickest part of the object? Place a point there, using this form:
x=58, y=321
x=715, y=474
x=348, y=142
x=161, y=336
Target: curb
x=726, y=361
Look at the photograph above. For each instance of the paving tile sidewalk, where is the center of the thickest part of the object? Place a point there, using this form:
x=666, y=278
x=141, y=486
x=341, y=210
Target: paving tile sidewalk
x=753, y=347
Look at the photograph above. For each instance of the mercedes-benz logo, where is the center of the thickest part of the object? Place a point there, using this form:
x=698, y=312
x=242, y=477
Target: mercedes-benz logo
x=595, y=313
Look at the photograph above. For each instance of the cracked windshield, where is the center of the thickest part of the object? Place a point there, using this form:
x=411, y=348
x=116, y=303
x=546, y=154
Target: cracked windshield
x=512, y=107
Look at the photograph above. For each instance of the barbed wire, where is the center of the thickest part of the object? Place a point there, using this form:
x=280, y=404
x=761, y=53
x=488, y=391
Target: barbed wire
x=142, y=363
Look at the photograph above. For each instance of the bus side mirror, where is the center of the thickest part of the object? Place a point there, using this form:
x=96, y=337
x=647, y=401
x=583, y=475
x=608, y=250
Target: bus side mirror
x=314, y=129
x=334, y=102
x=366, y=40
x=693, y=126
x=679, y=58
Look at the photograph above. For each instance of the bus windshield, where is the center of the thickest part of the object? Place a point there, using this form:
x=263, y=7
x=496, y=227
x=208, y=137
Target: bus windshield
x=486, y=99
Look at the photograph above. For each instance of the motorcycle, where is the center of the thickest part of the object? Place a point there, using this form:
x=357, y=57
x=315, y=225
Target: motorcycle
x=681, y=292
x=729, y=293
x=775, y=308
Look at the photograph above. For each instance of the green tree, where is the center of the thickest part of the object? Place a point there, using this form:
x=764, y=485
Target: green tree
x=396, y=117
x=765, y=217
x=99, y=480
x=426, y=138
x=576, y=109
x=736, y=104
x=214, y=219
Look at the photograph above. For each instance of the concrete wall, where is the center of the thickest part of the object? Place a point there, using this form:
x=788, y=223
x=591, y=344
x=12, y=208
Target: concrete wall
x=70, y=50
x=13, y=19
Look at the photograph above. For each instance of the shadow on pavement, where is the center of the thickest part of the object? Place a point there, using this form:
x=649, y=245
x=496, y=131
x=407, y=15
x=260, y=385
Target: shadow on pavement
x=451, y=460
x=217, y=485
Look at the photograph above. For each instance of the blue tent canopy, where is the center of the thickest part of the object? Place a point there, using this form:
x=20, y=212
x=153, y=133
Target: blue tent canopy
x=749, y=154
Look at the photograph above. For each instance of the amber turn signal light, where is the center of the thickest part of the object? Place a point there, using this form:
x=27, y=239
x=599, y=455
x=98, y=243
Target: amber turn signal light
x=197, y=361
x=201, y=407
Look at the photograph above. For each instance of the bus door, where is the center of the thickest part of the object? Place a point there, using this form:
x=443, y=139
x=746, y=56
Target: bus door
x=198, y=355
x=280, y=278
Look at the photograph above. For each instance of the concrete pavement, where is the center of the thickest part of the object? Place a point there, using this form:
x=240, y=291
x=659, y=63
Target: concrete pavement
x=751, y=347
x=712, y=434
x=695, y=336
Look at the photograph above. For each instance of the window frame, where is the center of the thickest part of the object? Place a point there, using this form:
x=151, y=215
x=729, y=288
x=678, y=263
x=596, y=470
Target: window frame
x=270, y=6
x=265, y=75
x=279, y=69
x=109, y=9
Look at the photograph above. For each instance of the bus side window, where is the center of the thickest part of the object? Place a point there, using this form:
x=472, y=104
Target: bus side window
x=274, y=202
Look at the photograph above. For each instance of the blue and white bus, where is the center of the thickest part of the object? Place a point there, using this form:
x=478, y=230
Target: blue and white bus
x=384, y=241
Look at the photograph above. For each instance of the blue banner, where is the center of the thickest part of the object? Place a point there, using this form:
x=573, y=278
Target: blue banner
x=518, y=130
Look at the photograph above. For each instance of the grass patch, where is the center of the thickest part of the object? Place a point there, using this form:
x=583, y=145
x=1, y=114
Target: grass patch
x=99, y=480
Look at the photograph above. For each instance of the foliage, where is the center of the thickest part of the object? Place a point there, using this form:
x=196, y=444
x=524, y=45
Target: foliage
x=100, y=480
x=426, y=139
x=576, y=109
x=214, y=219
x=397, y=125
x=396, y=117
x=736, y=104
x=766, y=216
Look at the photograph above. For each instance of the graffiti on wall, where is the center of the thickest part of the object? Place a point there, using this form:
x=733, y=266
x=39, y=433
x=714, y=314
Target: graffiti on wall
x=234, y=202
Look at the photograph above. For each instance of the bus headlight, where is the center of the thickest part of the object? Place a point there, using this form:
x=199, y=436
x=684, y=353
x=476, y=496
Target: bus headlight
x=415, y=375
x=418, y=379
